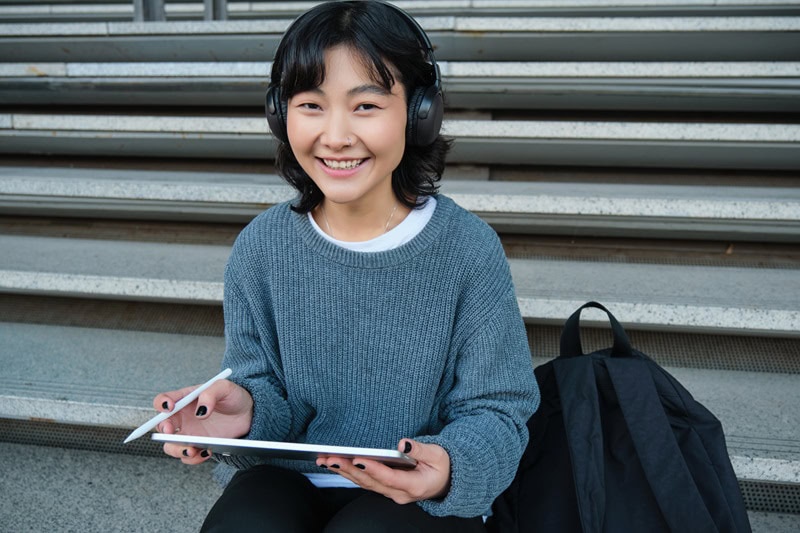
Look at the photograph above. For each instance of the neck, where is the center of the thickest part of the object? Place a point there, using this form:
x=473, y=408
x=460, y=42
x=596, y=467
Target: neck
x=347, y=224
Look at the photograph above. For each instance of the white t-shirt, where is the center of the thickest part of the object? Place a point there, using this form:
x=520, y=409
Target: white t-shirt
x=399, y=235
x=396, y=237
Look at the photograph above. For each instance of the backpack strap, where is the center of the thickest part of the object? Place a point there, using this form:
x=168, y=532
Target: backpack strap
x=581, y=415
x=583, y=426
x=661, y=459
x=571, y=334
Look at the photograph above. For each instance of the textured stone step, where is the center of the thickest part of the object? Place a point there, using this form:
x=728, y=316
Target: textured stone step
x=686, y=86
x=754, y=301
x=107, y=378
x=57, y=489
x=49, y=489
x=726, y=213
x=108, y=10
x=554, y=142
x=464, y=38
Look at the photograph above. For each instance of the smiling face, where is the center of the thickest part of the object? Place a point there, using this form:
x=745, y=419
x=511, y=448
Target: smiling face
x=348, y=133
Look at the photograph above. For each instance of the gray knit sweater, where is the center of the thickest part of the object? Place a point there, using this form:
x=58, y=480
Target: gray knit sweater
x=424, y=341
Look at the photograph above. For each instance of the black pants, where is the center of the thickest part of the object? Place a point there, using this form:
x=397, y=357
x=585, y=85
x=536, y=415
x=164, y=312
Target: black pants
x=267, y=498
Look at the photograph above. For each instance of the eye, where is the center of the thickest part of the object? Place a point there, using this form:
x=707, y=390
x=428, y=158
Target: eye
x=366, y=107
x=309, y=106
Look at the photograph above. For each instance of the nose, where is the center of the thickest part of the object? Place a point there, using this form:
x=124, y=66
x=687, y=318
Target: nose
x=336, y=133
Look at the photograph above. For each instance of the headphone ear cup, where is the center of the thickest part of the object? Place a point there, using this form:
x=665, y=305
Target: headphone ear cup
x=425, y=112
x=276, y=109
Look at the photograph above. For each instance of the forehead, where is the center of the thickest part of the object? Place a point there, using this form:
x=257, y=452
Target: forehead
x=312, y=68
x=343, y=63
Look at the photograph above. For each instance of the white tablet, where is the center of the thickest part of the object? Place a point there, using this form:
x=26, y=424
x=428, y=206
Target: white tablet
x=287, y=450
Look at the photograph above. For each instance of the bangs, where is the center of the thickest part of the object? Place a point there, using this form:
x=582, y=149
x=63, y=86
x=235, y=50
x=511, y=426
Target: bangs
x=304, y=64
x=389, y=50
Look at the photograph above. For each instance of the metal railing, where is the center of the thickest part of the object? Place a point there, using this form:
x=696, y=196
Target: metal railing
x=153, y=10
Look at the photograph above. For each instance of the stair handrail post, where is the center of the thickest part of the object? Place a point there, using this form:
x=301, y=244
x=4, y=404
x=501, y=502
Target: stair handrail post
x=215, y=9
x=149, y=11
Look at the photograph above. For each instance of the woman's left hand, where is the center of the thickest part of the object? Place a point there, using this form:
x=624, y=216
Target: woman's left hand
x=430, y=479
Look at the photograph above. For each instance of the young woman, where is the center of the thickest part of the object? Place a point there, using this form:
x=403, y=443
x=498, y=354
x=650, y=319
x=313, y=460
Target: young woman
x=371, y=311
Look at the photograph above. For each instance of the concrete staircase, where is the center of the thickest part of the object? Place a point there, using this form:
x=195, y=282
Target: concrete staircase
x=642, y=154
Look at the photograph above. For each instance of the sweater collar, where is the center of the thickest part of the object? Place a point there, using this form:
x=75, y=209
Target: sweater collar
x=429, y=234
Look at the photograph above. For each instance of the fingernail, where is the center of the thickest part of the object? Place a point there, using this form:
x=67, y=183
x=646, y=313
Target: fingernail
x=407, y=448
x=323, y=466
x=165, y=405
x=201, y=411
x=360, y=466
x=185, y=452
x=204, y=453
x=335, y=466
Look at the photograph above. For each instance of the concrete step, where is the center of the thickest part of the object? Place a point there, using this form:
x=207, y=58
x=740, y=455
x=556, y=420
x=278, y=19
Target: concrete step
x=462, y=38
x=38, y=13
x=98, y=377
x=106, y=10
x=509, y=142
x=694, y=298
x=729, y=213
x=685, y=86
x=57, y=489
x=114, y=269
x=86, y=377
x=61, y=489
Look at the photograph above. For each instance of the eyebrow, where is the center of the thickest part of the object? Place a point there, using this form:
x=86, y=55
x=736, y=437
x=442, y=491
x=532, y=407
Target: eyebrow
x=368, y=88
x=361, y=89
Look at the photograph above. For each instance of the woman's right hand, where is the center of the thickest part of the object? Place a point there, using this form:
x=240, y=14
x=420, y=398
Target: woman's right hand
x=225, y=409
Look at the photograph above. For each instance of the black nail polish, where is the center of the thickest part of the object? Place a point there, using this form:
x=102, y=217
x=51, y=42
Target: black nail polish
x=335, y=466
x=165, y=405
x=407, y=448
x=185, y=453
x=204, y=453
x=201, y=411
x=323, y=466
x=360, y=466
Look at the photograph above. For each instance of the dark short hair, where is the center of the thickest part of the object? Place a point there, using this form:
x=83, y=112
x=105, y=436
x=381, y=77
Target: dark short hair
x=389, y=46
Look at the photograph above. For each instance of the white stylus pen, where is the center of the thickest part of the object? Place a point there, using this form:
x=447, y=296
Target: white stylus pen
x=186, y=400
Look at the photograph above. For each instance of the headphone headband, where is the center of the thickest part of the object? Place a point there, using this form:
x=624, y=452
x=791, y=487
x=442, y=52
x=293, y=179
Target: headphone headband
x=423, y=37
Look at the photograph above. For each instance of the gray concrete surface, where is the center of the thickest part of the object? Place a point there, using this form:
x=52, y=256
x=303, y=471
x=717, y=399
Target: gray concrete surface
x=659, y=38
x=540, y=142
x=679, y=85
x=97, y=376
x=106, y=377
x=734, y=203
x=682, y=297
x=110, y=10
x=486, y=130
x=575, y=71
x=697, y=211
x=513, y=24
x=58, y=490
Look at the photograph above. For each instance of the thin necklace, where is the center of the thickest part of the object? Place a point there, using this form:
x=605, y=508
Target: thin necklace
x=330, y=231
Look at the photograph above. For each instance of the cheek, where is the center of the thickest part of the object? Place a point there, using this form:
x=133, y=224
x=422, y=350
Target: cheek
x=387, y=138
x=293, y=132
x=301, y=144
x=298, y=130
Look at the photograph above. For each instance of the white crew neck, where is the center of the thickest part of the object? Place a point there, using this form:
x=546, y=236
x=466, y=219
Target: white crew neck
x=409, y=228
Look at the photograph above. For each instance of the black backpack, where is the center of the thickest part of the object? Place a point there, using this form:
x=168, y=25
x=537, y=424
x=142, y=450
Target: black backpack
x=618, y=445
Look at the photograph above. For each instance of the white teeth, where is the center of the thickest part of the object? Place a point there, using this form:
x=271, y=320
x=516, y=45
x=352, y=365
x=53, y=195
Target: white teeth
x=343, y=165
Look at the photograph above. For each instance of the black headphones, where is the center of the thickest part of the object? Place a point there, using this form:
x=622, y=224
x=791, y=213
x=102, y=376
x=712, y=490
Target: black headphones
x=425, y=104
